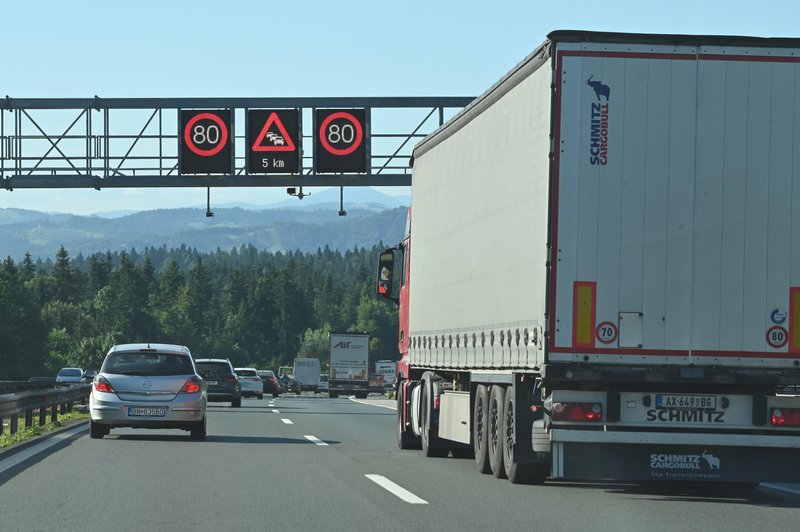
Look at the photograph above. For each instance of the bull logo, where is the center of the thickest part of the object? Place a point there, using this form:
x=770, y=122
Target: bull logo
x=599, y=88
x=713, y=461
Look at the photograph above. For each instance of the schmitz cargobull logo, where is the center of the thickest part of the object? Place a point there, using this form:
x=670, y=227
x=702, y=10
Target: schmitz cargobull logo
x=598, y=120
x=685, y=465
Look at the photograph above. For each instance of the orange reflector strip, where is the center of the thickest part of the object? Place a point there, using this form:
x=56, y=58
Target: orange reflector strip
x=583, y=314
x=794, y=320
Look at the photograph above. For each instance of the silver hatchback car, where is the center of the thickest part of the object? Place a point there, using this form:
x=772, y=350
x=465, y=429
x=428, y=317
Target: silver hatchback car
x=152, y=386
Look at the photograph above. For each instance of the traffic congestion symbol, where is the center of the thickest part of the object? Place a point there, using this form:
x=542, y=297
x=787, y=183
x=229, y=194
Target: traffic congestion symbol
x=341, y=140
x=273, y=139
x=205, y=142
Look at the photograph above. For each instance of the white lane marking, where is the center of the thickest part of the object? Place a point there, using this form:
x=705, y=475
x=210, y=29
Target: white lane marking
x=276, y=411
x=778, y=487
x=394, y=489
x=372, y=403
x=316, y=440
x=287, y=421
x=33, y=450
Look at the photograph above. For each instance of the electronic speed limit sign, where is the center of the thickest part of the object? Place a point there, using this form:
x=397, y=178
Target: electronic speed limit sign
x=341, y=139
x=205, y=142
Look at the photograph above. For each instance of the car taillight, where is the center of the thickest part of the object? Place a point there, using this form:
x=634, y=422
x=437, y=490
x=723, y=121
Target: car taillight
x=192, y=386
x=102, y=385
x=231, y=378
x=786, y=417
x=577, y=412
x=255, y=379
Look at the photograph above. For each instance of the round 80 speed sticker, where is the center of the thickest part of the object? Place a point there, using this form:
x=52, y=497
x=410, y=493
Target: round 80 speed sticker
x=777, y=337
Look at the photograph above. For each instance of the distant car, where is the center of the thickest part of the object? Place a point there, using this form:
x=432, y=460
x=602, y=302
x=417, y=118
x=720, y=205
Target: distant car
x=269, y=382
x=151, y=386
x=250, y=382
x=69, y=375
x=223, y=383
x=323, y=384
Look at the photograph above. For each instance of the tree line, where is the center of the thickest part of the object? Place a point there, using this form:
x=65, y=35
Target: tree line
x=258, y=308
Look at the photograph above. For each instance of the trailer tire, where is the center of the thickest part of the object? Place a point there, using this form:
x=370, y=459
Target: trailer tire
x=496, y=432
x=429, y=445
x=517, y=473
x=333, y=395
x=480, y=429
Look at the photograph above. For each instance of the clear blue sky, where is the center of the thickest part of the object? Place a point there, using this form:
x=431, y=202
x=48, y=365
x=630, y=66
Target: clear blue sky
x=179, y=48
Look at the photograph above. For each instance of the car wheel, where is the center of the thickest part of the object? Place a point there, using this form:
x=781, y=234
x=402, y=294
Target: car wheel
x=274, y=394
x=198, y=432
x=96, y=431
x=333, y=395
x=261, y=396
x=236, y=402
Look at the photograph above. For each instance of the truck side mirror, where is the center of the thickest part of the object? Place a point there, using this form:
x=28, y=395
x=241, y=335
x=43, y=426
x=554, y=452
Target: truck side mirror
x=386, y=275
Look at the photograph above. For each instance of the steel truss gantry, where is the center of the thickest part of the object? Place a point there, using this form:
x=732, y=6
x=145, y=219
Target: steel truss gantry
x=133, y=142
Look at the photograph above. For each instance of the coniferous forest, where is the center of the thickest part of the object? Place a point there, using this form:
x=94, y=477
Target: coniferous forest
x=257, y=308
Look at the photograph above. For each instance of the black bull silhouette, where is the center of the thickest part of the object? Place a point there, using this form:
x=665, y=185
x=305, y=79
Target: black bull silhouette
x=599, y=88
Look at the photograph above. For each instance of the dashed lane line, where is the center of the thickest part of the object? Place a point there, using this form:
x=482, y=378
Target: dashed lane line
x=276, y=411
x=394, y=489
x=287, y=421
x=316, y=440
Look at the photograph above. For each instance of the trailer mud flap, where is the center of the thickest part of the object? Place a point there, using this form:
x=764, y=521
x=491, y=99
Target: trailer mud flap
x=631, y=462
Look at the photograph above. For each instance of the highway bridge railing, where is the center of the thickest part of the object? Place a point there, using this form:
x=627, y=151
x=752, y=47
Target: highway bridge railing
x=23, y=399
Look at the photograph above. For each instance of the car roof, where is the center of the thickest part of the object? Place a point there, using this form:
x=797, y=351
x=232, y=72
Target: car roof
x=212, y=360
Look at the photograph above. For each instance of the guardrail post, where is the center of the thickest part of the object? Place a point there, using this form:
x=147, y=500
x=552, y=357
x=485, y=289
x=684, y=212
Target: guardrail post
x=28, y=418
x=53, y=414
x=42, y=415
x=14, y=424
x=1, y=426
x=62, y=408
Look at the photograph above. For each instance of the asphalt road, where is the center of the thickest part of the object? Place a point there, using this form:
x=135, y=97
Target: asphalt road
x=313, y=463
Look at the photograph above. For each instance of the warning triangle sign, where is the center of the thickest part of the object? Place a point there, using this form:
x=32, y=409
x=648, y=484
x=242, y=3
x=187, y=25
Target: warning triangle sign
x=269, y=140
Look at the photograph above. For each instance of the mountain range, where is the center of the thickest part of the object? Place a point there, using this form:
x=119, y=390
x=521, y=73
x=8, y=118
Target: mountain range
x=305, y=225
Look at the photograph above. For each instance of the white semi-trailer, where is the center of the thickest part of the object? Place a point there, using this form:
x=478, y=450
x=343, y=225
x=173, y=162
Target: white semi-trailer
x=601, y=276
x=306, y=371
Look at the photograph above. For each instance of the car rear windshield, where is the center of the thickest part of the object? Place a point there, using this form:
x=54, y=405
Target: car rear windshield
x=147, y=364
x=247, y=373
x=70, y=373
x=217, y=370
x=266, y=373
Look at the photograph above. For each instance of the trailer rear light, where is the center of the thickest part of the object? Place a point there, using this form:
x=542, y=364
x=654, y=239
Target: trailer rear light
x=786, y=417
x=191, y=386
x=102, y=385
x=577, y=412
x=436, y=403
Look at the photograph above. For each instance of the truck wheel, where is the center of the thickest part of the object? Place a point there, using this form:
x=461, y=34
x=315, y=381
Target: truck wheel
x=429, y=446
x=405, y=440
x=495, y=429
x=517, y=473
x=333, y=395
x=480, y=432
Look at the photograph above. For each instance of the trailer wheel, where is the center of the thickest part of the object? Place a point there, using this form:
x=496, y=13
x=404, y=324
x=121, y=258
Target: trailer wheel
x=517, y=473
x=480, y=432
x=429, y=447
x=496, y=430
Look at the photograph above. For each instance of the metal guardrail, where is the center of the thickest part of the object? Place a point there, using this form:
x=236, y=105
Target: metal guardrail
x=23, y=398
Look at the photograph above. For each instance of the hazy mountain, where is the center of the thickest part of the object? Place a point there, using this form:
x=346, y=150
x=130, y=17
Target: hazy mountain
x=276, y=229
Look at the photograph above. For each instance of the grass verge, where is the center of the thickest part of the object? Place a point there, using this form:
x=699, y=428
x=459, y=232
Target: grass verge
x=23, y=434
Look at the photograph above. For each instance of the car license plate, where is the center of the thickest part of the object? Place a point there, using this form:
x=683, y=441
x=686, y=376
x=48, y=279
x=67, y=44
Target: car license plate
x=211, y=382
x=703, y=402
x=147, y=411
